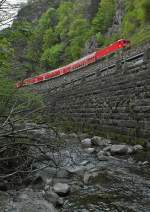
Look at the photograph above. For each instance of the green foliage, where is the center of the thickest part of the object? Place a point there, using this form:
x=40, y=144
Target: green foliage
x=47, y=19
x=137, y=17
x=51, y=56
x=146, y=10
x=104, y=16
x=35, y=45
x=6, y=85
x=99, y=38
x=65, y=18
x=20, y=33
x=78, y=34
x=39, y=37
x=49, y=38
x=143, y=35
x=60, y=34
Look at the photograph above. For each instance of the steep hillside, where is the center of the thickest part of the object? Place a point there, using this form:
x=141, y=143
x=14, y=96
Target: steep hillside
x=48, y=34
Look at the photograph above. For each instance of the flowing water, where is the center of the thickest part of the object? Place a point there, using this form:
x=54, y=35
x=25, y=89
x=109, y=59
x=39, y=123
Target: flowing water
x=121, y=185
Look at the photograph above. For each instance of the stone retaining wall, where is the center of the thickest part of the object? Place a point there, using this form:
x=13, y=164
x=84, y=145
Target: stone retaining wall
x=107, y=96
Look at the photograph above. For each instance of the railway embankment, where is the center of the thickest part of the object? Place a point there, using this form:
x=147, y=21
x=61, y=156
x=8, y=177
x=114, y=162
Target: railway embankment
x=111, y=96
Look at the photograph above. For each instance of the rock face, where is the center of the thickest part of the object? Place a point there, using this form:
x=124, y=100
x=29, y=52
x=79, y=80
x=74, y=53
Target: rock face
x=88, y=8
x=61, y=188
x=117, y=20
x=34, y=10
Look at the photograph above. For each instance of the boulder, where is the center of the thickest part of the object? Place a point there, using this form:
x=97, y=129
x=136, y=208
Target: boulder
x=86, y=143
x=119, y=149
x=99, y=141
x=61, y=188
x=89, y=150
x=137, y=148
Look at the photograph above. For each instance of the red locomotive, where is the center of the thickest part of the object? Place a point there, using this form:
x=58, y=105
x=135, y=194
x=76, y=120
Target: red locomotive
x=91, y=58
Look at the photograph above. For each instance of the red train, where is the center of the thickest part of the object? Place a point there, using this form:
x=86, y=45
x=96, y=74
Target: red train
x=91, y=58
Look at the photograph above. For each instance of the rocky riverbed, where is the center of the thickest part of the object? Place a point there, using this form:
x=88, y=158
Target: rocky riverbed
x=92, y=174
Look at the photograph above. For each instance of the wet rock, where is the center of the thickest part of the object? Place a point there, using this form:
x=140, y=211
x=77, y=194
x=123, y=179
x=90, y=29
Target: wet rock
x=99, y=141
x=119, y=149
x=86, y=143
x=61, y=188
x=89, y=150
x=137, y=148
